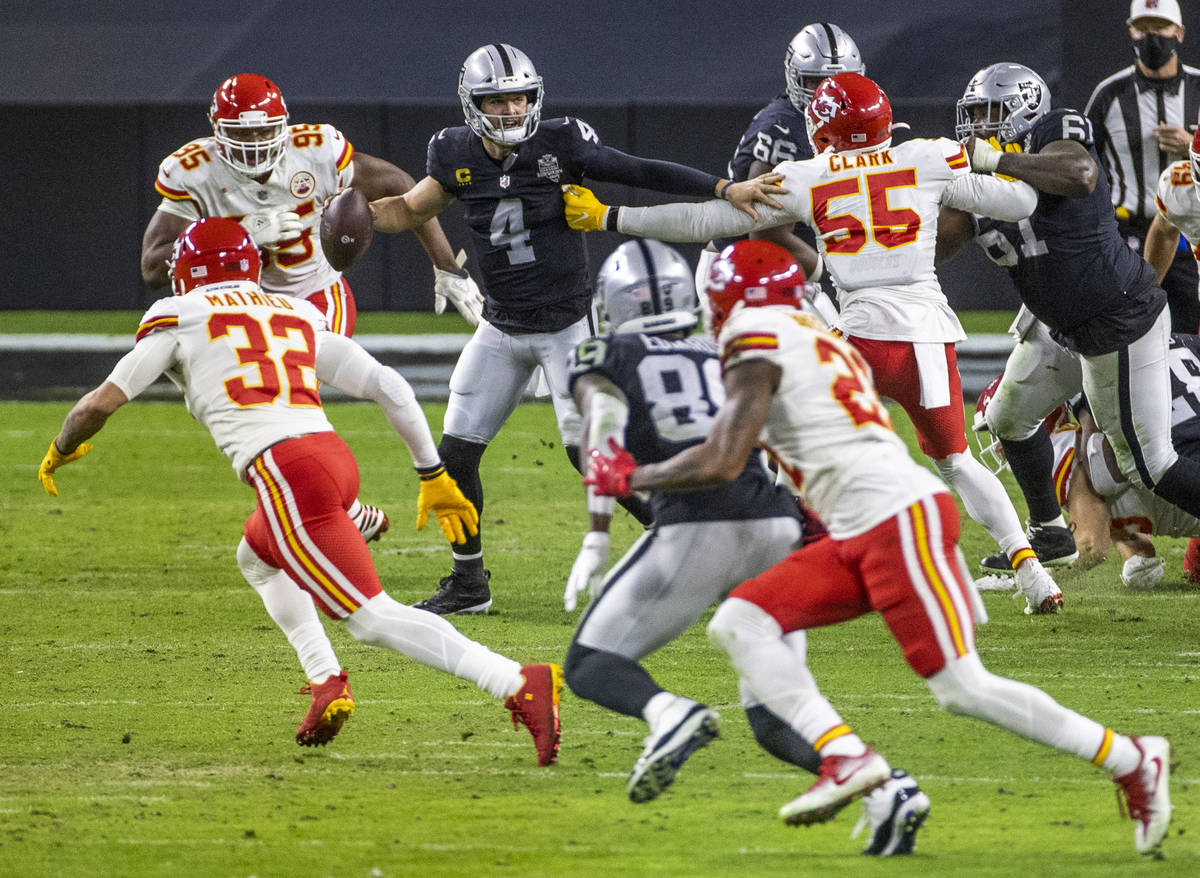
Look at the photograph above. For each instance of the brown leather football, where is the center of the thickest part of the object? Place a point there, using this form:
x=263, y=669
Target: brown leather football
x=346, y=228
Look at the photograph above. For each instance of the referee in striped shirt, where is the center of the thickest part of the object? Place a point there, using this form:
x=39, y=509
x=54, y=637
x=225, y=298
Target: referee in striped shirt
x=1143, y=118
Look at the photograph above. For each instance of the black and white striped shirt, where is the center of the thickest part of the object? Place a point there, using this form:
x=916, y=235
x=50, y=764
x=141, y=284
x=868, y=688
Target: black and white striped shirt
x=1124, y=109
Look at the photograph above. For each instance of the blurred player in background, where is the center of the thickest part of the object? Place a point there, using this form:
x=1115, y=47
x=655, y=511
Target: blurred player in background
x=875, y=209
x=1075, y=274
x=249, y=364
x=647, y=386
x=778, y=133
x=273, y=179
x=506, y=166
x=806, y=396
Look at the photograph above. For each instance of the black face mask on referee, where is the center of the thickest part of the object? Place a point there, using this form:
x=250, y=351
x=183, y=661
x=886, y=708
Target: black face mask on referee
x=1155, y=50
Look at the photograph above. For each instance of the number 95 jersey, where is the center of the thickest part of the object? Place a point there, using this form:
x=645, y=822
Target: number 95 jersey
x=827, y=427
x=317, y=161
x=673, y=388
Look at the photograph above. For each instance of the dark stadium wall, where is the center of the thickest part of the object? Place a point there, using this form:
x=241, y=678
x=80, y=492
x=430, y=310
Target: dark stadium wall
x=96, y=95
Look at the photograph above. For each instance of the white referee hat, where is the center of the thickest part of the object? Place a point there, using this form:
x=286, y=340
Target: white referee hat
x=1164, y=9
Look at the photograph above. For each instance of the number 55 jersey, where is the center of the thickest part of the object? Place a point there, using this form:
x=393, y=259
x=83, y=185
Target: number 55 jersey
x=827, y=428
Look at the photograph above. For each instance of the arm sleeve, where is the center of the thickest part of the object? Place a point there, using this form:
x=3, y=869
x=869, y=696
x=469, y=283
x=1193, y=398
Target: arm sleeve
x=345, y=365
x=613, y=166
x=1008, y=200
x=139, y=368
x=607, y=417
x=696, y=222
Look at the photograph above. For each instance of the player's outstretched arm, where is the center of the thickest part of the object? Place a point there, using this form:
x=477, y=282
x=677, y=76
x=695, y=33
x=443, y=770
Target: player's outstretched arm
x=417, y=206
x=1063, y=167
x=84, y=421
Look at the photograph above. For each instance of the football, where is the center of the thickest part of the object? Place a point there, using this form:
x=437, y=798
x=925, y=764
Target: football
x=346, y=228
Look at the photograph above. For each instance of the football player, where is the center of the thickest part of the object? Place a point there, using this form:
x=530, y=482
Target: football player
x=806, y=395
x=874, y=207
x=274, y=178
x=647, y=386
x=777, y=133
x=249, y=364
x=1074, y=273
x=506, y=165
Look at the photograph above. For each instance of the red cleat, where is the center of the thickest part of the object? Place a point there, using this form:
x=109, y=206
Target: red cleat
x=535, y=705
x=332, y=704
x=1191, y=560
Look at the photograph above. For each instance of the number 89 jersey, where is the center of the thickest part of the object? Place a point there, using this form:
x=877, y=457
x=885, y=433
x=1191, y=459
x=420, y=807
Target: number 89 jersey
x=674, y=389
x=827, y=427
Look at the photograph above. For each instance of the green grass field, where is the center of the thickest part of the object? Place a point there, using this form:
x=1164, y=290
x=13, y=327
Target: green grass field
x=152, y=703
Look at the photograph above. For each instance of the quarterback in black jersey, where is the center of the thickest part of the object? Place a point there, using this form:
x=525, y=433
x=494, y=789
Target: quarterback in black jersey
x=1076, y=275
x=508, y=167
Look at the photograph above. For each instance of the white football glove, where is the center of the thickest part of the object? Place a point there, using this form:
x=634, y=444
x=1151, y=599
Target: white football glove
x=270, y=228
x=1142, y=572
x=588, y=570
x=462, y=291
x=984, y=157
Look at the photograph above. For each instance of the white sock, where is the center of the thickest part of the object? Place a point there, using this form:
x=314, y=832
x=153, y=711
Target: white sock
x=1056, y=522
x=431, y=640
x=656, y=706
x=291, y=608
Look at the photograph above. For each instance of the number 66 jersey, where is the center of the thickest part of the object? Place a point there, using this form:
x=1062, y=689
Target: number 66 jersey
x=827, y=427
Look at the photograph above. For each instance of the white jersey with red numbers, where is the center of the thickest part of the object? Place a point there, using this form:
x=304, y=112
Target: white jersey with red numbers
x=1130, y=506
x=195, y=183
x=245, y=360
x=875, y=213
x=1178, y=200
x=827, y=428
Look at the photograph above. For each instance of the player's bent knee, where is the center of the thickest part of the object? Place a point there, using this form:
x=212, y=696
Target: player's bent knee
x=738, y=621
x=256, y=571
x=959, y=685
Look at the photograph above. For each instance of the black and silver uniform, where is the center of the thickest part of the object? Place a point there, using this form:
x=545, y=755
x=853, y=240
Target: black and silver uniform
x=674, y=389
x=1184, y=359
x=534, y=266
x=1071, y=267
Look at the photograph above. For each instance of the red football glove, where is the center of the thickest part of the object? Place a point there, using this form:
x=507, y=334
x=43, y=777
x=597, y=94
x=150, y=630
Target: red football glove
x=610, y=475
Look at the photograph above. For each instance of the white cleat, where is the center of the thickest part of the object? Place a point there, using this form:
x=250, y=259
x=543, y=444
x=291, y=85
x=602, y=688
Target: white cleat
x=686, y=727
x=842, y=780
x=1041, y=592
x=1146, y=794
x=893, y=814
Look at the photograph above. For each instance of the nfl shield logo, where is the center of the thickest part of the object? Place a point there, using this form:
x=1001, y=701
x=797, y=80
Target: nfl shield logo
x=505, y=181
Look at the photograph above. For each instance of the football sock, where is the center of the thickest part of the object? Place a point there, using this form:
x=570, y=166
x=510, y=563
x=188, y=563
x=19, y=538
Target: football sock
x=781, y=740
x=1032, y=464
x=983, y=495
x=431, y=640
x=1059, y=521
x=461, y=459
x=610, y=680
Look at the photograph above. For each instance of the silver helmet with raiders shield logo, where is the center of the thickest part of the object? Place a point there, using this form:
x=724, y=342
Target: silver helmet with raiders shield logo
x=1002, y=101
x=646, y=286
x=816, y=52
x=498, y=69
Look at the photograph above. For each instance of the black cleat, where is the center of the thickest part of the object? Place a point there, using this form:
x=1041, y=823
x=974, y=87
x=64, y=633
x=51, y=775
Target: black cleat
x=1053, y=545
x=457, y=594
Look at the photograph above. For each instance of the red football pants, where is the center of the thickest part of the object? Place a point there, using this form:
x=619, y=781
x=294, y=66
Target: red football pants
x=906, y=569
x=940, y=431
x=336, y=302
x=300, y=525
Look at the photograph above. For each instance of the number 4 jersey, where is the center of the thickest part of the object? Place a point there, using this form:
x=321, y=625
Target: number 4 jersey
x=827, y=428
x=244, y=359
x=674, y=389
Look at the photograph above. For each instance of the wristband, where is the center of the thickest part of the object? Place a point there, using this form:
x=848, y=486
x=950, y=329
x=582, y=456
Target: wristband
x=428, y=473
x=610, y=219
x=721, y=194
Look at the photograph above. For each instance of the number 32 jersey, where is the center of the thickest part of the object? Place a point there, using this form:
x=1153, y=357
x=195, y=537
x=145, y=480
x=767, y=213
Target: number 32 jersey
x=827, y=428
x=317, y=161
x=244, y=359
x=674, y=389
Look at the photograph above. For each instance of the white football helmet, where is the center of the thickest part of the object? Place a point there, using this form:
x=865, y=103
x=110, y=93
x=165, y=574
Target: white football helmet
x=817, y=51
x=499, y=69
x=1015, y=98
x=646, y=286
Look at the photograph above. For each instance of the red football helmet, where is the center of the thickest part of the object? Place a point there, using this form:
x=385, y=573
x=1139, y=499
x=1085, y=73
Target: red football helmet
x=848, y=111
x=210, y=251
x=249, y=120
x=992, y=454
x=755, y=272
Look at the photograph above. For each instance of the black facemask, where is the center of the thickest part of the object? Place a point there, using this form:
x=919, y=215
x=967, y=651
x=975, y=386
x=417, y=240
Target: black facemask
x=1155, y=50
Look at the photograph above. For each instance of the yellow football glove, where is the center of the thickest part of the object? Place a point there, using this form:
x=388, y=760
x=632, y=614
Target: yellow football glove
x=454, y=512
x=584, y=211
x=53, y=460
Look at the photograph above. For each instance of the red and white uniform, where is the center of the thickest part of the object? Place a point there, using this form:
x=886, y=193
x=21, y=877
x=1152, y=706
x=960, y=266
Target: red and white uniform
x=893, y=528
x=1178, y=200
x=316, y=163
x=249, y=364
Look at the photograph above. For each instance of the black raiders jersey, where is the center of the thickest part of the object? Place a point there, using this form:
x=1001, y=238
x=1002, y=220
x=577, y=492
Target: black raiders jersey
x=1184, y=360
x=674, y=389
x=1072, y=268
x=777, y=133
x=534, y=266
